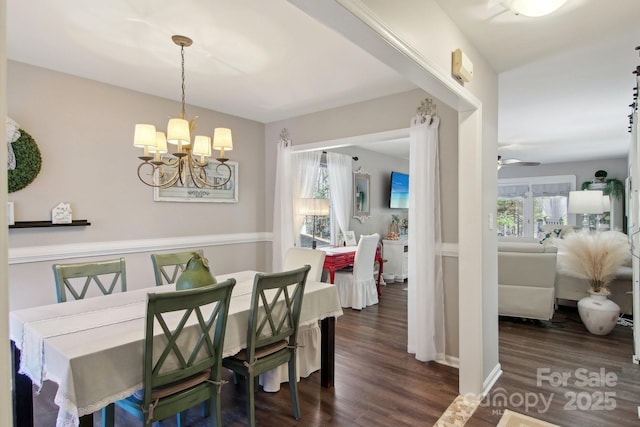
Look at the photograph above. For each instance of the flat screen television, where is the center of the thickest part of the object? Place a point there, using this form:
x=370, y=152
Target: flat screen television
x=399, y=195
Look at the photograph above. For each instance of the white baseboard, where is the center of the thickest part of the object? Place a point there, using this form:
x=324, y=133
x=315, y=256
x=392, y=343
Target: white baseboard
x=452, y=361
x=31, y=254
x=491, y=379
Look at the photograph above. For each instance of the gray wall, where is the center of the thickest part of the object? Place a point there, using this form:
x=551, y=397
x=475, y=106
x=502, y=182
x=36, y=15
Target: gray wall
x=84, y=130
x=584, y=171
x=380, y=167
x=379, y=115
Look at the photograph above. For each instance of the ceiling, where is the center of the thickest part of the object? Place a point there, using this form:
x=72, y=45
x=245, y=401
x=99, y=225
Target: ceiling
x=565, y=79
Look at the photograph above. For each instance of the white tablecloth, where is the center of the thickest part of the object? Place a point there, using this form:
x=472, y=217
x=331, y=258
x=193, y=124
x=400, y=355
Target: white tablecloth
x=92, y=348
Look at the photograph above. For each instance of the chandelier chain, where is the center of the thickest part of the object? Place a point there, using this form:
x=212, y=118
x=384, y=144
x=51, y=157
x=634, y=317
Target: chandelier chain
x=184, y=113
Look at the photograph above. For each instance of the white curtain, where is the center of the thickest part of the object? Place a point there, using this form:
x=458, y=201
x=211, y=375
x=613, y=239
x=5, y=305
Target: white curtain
x=283, y=237
x=426, y=336
x=306, y=167
x=341, y=185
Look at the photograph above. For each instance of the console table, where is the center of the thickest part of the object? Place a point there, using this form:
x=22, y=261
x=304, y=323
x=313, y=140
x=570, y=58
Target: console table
x=396, y=253
x=342, y=256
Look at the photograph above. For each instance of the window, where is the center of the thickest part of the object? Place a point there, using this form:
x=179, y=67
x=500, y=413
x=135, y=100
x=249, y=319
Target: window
x=323, y=224
x=525, y=205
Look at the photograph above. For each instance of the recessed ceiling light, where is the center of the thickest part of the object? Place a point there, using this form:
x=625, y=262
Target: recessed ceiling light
x=533, y=8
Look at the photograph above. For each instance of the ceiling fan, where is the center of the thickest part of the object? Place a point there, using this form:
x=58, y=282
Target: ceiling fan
x=514, y=162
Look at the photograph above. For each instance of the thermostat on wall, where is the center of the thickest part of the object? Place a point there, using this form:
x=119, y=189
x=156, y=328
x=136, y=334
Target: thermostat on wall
x=461, y=66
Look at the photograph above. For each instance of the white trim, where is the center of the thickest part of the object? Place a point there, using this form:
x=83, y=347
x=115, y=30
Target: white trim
x=29, y=254
x=491, y=379
x=362, y=140
x=449, y=250
x=452, y=361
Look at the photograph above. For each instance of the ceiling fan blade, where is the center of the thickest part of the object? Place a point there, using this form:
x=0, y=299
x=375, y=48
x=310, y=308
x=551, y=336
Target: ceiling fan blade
x=515, y=162
x=523, y=164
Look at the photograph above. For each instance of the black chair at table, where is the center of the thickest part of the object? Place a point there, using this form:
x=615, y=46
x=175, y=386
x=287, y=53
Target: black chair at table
x=181, y=367
x=276, y=303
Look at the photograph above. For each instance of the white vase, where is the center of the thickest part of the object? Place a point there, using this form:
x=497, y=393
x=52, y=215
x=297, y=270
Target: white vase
x=598, y=313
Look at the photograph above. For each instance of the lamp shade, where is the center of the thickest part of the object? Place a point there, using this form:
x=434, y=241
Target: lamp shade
x=585, y=202
x=222, y=139
x=202, y=146
x=606, y=204
x=144, y=136
x=317, y=207
x=178, y=132
x=161, y=144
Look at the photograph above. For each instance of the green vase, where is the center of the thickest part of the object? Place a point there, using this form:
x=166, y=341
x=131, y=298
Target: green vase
x=196, y=274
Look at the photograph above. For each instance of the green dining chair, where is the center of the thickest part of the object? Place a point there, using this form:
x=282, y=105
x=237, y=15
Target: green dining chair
x=182, y=356
x=167, y=267
x=78, y=278
x=272, y=332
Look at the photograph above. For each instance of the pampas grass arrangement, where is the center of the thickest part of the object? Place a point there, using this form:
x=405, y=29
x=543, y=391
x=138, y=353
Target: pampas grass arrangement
x=594, y=256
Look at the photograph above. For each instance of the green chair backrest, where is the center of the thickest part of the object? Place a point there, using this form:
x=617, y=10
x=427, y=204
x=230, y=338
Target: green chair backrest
x=77, y=278
x=276, y=303
x=184, y=336
x=177, y=261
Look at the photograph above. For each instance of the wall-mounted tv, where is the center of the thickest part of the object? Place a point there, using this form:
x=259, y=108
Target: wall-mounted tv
x=399, y=196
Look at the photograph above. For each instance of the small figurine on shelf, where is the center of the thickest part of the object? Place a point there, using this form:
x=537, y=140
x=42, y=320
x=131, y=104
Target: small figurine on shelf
x=393, y=232
x=61, y=214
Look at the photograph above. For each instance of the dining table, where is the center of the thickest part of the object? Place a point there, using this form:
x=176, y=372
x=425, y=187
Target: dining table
x=92, y=348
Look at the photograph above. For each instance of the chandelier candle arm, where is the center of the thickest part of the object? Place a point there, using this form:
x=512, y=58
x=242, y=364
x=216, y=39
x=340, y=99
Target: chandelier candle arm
x=188, y=170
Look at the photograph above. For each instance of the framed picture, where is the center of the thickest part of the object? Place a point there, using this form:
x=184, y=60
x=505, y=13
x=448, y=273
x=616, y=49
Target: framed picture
x=361, y=193
x=190, y=193
x=350, y=238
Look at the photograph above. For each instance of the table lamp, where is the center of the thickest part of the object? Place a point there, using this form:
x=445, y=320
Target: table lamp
x=606, y=207
x=314, y=208
x=585, y=202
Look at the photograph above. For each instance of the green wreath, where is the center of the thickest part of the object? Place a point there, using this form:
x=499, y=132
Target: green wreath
x=28, y=162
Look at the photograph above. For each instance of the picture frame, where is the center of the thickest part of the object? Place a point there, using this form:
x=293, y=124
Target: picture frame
x=361, y=195
x=191, y=194
x=350, y=238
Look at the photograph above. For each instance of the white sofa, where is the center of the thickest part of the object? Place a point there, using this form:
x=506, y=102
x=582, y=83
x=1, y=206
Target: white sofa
x=568, y=289
x=526, y=279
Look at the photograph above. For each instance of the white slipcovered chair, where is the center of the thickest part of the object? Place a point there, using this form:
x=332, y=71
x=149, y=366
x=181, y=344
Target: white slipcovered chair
x=309, y=335
x=297, y=257
x=357, y=288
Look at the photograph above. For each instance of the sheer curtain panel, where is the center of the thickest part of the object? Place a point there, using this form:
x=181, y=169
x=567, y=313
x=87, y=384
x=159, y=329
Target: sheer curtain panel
x=283, y=236
x=425, y=310
x=306, y=167
x=341, y=187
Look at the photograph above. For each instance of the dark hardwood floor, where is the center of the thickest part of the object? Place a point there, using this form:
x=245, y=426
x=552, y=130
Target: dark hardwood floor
x=379, y=384
x=560, y=373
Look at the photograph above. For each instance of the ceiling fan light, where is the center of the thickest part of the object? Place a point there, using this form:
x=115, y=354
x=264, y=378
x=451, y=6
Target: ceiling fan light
x=534, y=8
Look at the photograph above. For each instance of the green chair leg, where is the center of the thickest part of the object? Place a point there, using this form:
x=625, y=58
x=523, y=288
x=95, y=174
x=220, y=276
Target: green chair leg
x=108, y=415
x=293, y=389
x=182, y=419
x=251, y=407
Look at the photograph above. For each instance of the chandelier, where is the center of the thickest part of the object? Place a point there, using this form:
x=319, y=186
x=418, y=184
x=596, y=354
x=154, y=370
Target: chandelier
x=189, y=165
